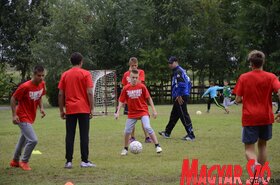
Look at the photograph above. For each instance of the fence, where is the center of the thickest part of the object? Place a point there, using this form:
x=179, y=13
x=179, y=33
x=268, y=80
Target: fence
x=161, y=94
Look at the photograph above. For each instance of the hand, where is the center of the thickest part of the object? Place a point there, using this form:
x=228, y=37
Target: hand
x=277, y=118
x=116, y=115
x=63, y=115
x=43, y=114
x=155, y=115
x=180, y=100
x=15, y=119
x=91, y=114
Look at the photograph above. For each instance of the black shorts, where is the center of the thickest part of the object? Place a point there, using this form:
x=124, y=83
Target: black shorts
x=251, y=134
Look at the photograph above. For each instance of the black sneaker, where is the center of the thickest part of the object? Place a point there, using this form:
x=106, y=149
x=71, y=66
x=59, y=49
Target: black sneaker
x=162, y=133
x=188, y=138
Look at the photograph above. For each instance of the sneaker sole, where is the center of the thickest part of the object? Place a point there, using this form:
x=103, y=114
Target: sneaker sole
x=163, y=135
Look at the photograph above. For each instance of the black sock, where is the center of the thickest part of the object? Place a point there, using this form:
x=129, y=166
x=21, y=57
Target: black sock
x=126, y=148
x=156, y=145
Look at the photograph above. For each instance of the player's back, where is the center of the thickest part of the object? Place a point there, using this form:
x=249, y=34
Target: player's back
x=256, y=88
x=75, y=82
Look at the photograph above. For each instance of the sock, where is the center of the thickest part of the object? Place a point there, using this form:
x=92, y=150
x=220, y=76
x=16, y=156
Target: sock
x=126, y=148
x=156, y=145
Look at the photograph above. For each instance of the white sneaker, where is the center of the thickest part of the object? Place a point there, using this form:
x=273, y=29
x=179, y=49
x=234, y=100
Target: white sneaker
x=158, y=149
x=124, y=152
x=87, y=165
x=68, y=165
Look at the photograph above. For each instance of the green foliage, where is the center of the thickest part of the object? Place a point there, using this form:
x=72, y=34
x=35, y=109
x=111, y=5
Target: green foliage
x=6, y=84
x=52, y=79
x=20, y=22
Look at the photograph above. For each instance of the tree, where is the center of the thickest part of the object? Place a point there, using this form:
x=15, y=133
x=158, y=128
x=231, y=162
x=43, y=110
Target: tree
x=20, y=22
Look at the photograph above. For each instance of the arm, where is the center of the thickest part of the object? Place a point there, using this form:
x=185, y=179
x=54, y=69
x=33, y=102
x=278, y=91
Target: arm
x=153, y=107
x=42, y=110
x=206, y=92
x=277, y=118
x=117, y=114
x=61, y=103
x=15, y=118
x=238, y=99
x=91, y=100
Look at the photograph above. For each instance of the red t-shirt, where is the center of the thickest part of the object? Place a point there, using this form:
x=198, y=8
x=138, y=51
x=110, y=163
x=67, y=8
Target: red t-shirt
x=74, y=83
x=126, y=77
x=28, y=96
x=136, y=99
x=256, y=89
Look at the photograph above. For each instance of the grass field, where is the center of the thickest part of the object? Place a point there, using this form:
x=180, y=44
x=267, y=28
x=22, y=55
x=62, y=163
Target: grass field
x=218, y=142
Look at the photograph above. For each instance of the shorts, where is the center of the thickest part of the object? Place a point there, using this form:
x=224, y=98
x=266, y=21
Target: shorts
x=251, y=134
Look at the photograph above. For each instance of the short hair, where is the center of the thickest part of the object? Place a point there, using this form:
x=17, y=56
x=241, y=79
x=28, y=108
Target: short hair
x=38, y=69
x=133, y=60
x=134, y=71
x=212, y=83
x=257, y=58
x=76, y=58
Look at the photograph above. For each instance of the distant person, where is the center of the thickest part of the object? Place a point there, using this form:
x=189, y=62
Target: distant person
x=227, y=96
x=133, y=65
x=181, y=89
x=212, y=90
x=254, y=89
x=136, y=95
x=76, y=94
x=28, y=96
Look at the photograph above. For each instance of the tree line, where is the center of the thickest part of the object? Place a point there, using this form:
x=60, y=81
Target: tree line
x=211, y=38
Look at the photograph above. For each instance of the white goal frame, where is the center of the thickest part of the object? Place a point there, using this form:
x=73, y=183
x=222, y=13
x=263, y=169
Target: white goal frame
x=105, y=91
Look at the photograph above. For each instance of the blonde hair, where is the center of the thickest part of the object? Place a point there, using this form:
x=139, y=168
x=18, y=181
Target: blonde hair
x=133, y=60
x=257, y=58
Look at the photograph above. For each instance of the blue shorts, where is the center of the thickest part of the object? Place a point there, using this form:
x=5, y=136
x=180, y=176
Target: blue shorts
x=251, y=134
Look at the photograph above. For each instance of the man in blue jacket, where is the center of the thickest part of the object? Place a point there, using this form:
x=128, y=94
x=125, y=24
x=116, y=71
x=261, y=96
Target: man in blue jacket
x=181, y=88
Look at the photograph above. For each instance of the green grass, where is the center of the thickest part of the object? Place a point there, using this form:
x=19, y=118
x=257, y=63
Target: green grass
x=218, y=142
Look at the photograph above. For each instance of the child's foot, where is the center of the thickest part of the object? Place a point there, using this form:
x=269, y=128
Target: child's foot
x=14, y=163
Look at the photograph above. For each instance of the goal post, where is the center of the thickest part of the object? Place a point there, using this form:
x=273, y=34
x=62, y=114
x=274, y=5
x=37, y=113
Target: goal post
x=105, y=91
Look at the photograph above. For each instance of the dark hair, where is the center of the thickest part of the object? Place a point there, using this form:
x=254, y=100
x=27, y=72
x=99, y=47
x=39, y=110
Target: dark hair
x=134, y=71
x=76, y=58
x=256, y=58
x=38, y=68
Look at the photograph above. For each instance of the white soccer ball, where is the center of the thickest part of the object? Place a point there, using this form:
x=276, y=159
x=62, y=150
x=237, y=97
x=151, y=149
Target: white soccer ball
x=198, y=112
x=135, y=147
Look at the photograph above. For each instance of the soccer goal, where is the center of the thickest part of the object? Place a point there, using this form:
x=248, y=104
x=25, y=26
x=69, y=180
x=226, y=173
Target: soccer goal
x=105, y=91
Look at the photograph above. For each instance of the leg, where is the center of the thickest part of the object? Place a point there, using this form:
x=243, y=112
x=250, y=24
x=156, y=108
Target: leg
x=147, y=126
x=250, y=152
x=174, y=116
x=219, y=105
x=71, y=123
x=185, y=118
x=84, y=136
x=20, y=145
x=210, y=100
x=262, y=155
x=130, y=123
x=31, y=140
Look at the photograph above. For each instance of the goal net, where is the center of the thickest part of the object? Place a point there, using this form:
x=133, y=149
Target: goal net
x=105, y=92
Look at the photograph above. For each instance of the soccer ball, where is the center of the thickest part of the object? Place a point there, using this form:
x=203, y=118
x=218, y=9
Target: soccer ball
x=198, y=112
x=135, y=147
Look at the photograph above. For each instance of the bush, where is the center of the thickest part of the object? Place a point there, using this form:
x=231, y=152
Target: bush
x=52, y=79
x=6, y=85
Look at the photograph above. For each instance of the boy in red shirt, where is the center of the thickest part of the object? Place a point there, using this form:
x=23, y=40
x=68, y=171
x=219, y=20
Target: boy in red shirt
x=135, y=94
x=76, y=94
x=133, y=65
x=29, y=97
x=255, y=90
